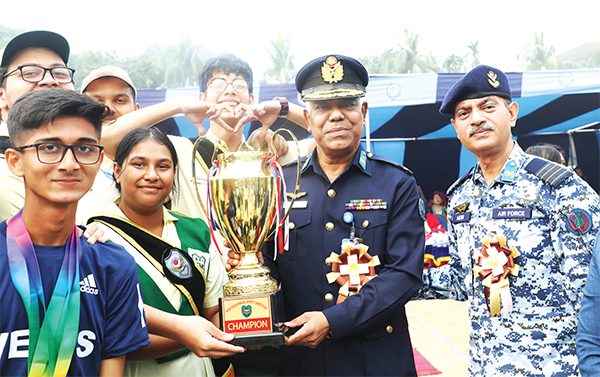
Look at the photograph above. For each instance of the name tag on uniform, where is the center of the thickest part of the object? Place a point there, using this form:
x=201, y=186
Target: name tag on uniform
x=511, y=213
x=300, y=204
x=461, y=217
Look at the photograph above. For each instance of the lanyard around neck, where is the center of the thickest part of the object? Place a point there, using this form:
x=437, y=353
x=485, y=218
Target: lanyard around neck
x=51, y=343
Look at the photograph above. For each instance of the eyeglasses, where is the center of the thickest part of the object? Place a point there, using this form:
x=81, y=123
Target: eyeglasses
x=35, y=73
x=219, y=85
x=53, y=153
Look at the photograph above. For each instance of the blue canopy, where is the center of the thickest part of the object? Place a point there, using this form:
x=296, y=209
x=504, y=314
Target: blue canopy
x=560, y=107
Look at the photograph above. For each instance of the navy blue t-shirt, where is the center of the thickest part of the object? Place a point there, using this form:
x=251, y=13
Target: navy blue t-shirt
x=111, y=321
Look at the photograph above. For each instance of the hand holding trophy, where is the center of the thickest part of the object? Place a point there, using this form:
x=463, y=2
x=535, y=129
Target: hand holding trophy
x=247, y=202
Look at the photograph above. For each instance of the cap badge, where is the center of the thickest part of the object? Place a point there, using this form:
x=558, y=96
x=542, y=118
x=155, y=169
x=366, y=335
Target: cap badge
x=493, y=79
x=332, y=70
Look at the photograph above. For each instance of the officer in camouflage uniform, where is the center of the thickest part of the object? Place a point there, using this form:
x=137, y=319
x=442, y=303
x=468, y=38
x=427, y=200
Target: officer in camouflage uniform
x=522, y=231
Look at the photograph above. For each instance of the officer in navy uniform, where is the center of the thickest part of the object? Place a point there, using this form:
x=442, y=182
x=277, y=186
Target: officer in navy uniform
x=521, y=232
x=356, y=239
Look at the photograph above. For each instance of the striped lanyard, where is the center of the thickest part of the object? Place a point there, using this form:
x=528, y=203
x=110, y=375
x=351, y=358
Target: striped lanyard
x=52, y=344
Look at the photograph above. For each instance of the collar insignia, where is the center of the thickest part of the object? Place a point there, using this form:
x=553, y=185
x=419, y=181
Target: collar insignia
x=462, y=208
x=493, y=79
x=510, y=171
x=332, y=70
x=306, y=163
x=362, y=161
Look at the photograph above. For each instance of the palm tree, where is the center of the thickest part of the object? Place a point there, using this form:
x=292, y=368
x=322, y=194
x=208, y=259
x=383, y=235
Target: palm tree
x=474, y=53
x=409, y=54
x=404, y=58
x=282, y=60
x=181, y=63
x=454, y=63
x=538, y=56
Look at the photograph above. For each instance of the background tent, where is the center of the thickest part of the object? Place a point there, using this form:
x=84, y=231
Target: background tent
x=560, y=107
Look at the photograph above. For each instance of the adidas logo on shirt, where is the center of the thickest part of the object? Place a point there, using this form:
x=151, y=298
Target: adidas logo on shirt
x=88, y=285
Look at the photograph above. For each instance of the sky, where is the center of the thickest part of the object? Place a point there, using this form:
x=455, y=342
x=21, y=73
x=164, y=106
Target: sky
x=316, y=28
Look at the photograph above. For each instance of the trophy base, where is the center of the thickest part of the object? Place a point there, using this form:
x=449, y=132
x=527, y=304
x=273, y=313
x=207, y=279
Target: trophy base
x=259, y=340
x=252, y=319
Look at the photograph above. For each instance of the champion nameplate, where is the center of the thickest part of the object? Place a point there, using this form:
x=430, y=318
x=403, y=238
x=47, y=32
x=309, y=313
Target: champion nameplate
x=461, y=217
x=511, y=213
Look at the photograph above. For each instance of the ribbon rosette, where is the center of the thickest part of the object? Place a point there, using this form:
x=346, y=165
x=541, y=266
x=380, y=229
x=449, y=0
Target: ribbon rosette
x=352, y=269
x=495, y=261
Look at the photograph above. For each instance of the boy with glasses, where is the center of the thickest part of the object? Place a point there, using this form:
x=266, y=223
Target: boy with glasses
x=66, y=307
x=226, y=80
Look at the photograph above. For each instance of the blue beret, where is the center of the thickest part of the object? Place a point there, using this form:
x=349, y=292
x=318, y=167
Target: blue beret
x=332, y=77
x=39, y=38
x=481, y=81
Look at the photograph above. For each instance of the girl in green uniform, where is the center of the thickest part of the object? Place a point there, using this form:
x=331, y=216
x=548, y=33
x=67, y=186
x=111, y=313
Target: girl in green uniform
x=177, y=272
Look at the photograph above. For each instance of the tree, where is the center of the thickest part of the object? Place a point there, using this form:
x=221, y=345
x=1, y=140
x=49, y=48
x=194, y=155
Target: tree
x=538, y=56
x=454, y=63
x=159, y=66
x=6, y=34
x=403, y=58
x=85, y=62
x=179, y=63
x=474, y=53
x=282, y=61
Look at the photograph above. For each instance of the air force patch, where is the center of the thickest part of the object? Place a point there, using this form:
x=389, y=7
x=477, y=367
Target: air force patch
x=579, y=222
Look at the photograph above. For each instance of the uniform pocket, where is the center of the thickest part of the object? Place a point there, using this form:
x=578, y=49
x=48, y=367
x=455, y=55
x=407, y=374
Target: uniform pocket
x=299, y=235
x=371, y=228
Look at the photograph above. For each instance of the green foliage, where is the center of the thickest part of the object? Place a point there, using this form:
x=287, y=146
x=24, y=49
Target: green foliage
x=171, y=66
x=282, y=61
x=454, y=63
x=406, y=58
x=177, y=65
x=539, y=56
x=6, y=34
x=474, y=53
x=87, y=61
x=402, y=58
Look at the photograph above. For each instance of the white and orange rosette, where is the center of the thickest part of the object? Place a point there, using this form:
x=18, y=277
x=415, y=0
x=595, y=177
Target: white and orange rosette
x=495, y=261
x=352, y=269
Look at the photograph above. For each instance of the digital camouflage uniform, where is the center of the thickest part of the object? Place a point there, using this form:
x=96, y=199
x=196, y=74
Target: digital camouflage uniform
x=554, y=236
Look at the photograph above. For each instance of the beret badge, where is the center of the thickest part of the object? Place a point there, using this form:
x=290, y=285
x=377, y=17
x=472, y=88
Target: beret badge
x=493, y=79
x=332, y=70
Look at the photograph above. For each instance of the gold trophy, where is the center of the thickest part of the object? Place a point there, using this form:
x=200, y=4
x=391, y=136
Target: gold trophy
x=245, y=196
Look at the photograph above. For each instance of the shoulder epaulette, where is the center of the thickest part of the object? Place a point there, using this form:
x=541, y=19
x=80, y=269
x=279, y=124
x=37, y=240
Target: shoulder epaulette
x=389, y=161
x=549, y=172
x=459, y=182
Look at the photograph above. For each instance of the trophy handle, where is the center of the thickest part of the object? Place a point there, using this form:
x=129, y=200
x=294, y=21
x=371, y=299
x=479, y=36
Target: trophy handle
x=297, y=188
x=196, y=156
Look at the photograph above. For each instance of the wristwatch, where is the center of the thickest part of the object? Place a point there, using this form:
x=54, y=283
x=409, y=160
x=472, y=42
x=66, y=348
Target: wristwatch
x=285, y=106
